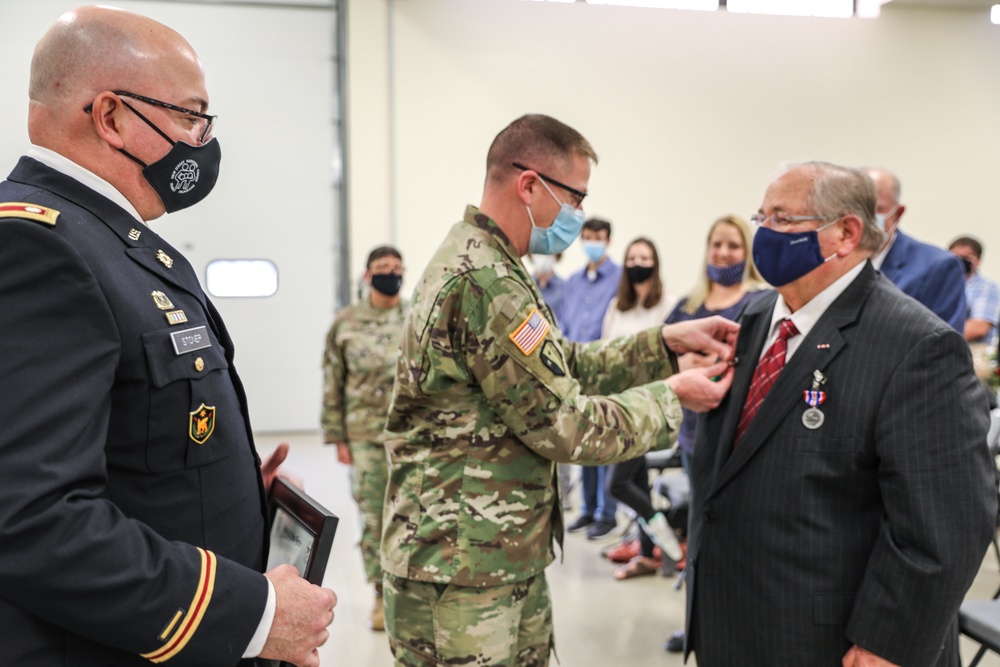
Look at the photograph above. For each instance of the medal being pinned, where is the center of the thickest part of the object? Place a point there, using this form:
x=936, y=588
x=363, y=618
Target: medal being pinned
x=813, y=417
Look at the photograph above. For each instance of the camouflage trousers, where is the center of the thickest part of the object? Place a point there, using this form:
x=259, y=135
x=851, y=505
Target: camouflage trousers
x=443, y=624
x=369, y=477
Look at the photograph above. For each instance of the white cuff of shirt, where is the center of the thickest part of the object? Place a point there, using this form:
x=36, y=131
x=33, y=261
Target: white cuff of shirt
x=260, y=637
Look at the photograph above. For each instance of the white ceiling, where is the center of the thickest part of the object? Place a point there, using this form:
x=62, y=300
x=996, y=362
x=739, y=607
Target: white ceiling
x=948, y=4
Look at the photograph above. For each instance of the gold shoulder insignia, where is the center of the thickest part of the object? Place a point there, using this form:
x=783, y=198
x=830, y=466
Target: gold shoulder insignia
x=29, y=212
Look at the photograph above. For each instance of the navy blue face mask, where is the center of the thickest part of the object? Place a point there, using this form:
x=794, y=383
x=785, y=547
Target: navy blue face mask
x=783, y=257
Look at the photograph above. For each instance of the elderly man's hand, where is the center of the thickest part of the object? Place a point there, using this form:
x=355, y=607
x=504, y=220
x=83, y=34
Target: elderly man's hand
x=715, y=336
x=302, y=613
x=859, y=657
x=701, y=389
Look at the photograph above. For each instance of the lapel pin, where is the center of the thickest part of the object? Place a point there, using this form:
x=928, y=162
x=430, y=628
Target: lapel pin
x=823, y=346
x=134, y=234
x=164, y=259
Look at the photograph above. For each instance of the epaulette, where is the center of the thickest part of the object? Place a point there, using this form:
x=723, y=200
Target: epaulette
x=29, y=212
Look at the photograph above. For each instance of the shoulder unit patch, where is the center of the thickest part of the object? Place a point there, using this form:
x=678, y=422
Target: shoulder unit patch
x=28, y=212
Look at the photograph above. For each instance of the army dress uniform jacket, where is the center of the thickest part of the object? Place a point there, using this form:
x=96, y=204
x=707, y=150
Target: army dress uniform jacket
x=488, y=397
x=359, y=368
x=132, y=511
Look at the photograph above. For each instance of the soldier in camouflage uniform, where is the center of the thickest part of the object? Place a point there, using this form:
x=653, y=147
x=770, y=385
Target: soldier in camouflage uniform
x=489, y=397
x=359, y=367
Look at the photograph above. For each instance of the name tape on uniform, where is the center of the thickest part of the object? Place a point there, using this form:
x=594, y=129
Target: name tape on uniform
x=190, y=340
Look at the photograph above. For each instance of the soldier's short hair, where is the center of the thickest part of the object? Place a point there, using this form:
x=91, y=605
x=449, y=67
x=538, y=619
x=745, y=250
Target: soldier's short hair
x=538, y=142
x=380, y=252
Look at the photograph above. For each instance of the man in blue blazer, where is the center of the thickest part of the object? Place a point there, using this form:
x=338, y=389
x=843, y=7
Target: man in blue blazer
x=841, y=502
x=929, y=274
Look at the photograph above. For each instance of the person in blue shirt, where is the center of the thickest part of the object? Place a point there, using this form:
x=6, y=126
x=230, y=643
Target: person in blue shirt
x=585, y=300
x=550, y=284
x=982, y=295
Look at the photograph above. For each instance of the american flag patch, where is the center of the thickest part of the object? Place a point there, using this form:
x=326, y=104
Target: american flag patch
x=531, y=332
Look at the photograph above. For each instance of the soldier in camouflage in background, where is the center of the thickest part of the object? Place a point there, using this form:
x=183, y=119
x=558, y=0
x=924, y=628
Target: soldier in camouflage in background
x=490, y=396
x=359, y=367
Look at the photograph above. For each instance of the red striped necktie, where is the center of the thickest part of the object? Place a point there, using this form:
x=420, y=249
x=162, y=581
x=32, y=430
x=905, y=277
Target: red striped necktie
x=764, y=376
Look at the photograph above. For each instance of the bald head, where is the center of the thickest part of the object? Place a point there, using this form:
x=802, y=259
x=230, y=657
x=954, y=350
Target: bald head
x=75, y=110
x=887, y=206
x=91, y=49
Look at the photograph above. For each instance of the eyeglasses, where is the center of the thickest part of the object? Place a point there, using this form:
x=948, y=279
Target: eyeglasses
x=578, y=196
x=209, y=121
x=779, y=221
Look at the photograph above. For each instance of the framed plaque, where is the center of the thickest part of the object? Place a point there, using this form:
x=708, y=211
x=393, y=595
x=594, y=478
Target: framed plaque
x=302, y=531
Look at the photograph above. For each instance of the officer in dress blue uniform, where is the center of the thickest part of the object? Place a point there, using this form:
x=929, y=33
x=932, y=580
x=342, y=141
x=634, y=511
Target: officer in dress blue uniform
x=132, y=508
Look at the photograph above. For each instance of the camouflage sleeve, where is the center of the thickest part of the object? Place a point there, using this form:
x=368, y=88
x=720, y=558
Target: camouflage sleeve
x=334, y=415
x=519, y=362
x=610, y=366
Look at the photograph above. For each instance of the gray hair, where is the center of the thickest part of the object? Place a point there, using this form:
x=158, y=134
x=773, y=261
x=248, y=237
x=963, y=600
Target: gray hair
x=839, y=191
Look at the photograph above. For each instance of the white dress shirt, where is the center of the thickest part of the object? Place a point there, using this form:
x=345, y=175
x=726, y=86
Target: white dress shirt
x=806, y=317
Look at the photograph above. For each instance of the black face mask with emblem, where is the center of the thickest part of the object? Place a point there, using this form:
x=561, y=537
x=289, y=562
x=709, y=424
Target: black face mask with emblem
x=185, y=175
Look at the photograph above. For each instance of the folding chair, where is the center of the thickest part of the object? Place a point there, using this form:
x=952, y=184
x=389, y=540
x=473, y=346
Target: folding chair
x=980, y=621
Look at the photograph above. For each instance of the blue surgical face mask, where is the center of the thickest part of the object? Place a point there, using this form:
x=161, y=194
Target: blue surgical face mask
x=560, y=234
x=880, y=217
x=594, y=250
x=727, y=276
x=783, y=257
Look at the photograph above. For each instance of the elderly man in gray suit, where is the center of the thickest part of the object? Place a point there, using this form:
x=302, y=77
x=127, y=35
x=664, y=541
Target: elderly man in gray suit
x=842, y=494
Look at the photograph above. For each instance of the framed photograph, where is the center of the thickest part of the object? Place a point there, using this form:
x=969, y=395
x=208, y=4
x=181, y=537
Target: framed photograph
x=302, y=531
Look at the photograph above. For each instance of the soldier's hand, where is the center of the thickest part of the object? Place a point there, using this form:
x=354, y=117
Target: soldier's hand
x=701, y=389
x=695, y=360
x=714, y=336
x=302, y=613
x=344, y=453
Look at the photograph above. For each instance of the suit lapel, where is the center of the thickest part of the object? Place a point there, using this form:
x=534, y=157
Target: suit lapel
x=895, y=259
x=720, y=429
x=785, y=400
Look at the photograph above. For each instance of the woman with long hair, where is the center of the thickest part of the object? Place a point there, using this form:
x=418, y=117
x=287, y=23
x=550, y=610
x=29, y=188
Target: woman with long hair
x=641, y=303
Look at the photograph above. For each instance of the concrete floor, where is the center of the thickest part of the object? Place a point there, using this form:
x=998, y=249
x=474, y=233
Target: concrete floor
x=598, y=620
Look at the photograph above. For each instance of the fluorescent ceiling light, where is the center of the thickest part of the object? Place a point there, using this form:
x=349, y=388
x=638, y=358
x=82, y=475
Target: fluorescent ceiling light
x=828, y=8
x=995, y=14
x=704, y=5
x=870, y=9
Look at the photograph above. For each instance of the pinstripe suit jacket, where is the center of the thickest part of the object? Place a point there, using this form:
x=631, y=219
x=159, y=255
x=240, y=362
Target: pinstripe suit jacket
x=868, y=529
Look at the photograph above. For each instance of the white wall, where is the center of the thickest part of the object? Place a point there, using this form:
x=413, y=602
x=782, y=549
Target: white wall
x=690, y=113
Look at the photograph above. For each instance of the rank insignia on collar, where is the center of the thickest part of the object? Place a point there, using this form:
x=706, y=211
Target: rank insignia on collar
x=28, y=212
x=162, y=302
x=134, y=234
x=202, y=423
x=164, y=259
x=530, y=333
